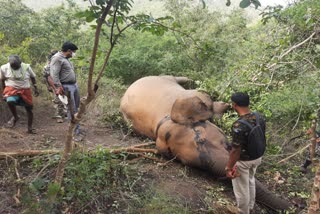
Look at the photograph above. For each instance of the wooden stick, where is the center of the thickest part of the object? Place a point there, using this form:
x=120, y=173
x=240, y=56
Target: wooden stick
x=144, y=144
x=43, y=152
x=294, y=154
x=28, y=153
x=131, y=149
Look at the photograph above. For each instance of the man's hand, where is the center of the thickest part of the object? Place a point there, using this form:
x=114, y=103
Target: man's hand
x=229, y=174
x=59, y=91
x=232, y=173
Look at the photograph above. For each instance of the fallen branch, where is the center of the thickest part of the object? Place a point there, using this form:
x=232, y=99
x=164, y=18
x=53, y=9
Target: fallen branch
x=17, y=195
x=294, y=154
x=148, y=157
x=27, y=153
x=44, y=152
x=132, y=149
x=144, y=144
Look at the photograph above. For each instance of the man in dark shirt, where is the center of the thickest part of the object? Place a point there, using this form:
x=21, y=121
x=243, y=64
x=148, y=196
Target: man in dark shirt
x=241, y=168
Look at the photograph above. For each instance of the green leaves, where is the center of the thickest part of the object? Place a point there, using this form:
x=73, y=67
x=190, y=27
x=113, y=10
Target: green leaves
x=100, y=2
x=89, y=15
x=247, y=3
x=256, y=3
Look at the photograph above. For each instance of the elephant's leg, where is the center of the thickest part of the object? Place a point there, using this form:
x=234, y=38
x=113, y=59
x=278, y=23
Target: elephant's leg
x=182, y=80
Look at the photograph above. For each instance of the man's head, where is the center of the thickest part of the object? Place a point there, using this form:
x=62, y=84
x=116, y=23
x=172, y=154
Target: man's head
x=240, y=99
x=15, y=62
x=69, y=49
x=52, y=53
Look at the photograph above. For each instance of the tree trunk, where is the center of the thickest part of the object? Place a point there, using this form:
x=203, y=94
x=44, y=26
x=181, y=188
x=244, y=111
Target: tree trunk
x=314, y=206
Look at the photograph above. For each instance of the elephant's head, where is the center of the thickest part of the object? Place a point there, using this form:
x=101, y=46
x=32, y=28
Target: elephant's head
x=190, y=110
x=194, y=109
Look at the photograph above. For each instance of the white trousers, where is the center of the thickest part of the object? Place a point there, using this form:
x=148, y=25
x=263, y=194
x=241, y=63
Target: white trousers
x=244, y=186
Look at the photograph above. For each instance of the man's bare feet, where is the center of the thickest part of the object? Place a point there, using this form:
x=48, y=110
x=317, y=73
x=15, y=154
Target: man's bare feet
x=12, y=122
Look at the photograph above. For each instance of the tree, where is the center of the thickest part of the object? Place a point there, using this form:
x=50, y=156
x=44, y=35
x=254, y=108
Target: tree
x=112, y=20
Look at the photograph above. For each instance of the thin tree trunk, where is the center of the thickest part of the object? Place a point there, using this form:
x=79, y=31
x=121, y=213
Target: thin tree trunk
x=314, y=206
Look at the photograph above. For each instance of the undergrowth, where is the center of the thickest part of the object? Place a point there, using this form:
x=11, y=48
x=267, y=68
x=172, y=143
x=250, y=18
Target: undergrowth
x=95, y=182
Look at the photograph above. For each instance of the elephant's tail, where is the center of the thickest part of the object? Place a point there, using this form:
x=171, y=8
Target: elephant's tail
x=268, y=199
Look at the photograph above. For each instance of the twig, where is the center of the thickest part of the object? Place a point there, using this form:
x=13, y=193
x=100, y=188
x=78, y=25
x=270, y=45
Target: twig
x=17, y=195
x=148, y=157
x=294, y=154
x=27, y=153
x=165, y=163
x=43, y=168
x=297, y=45
x=291, y=139
x=131, y=149
x=297, y=121
x=144, y=144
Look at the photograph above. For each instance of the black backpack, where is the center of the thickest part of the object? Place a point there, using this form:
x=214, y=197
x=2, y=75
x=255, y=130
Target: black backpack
x=256, y=144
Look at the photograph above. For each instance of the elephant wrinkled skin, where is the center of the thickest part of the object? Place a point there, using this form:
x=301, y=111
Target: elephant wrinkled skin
x=178, y=119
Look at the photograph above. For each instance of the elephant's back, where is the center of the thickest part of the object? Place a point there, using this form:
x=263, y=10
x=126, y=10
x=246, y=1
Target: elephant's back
x=148, y=100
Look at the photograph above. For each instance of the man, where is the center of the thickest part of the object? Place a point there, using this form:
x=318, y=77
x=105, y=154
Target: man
x=15, y=77
x=64, y=78
x=47, y=79
x=242, y=164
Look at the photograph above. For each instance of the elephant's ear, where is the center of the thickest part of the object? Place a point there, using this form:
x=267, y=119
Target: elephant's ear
x=190, y=110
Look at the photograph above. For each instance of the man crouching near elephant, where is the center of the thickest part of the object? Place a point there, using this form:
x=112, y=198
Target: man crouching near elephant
x=248, y=146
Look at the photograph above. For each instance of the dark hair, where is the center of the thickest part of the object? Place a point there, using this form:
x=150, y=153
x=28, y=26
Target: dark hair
x=14, y=61
x=68, y=46
x=52, y=52
x=241, y=99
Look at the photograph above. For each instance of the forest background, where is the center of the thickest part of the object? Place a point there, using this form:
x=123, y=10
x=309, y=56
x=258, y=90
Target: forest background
x=272, y=54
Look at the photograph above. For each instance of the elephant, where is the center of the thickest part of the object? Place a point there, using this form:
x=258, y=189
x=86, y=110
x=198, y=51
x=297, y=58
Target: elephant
x=179, y=121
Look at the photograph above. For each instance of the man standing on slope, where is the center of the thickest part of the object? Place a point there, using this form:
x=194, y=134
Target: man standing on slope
x=246, y=153
x=15, y=77
x=64, y=78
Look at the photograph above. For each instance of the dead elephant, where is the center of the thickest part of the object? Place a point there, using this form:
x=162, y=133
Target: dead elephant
x=160, y=108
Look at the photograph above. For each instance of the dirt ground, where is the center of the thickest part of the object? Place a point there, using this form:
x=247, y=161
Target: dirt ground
x=190, y=185
x=49, y=133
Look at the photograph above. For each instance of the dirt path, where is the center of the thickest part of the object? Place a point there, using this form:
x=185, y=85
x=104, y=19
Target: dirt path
x=50, y=134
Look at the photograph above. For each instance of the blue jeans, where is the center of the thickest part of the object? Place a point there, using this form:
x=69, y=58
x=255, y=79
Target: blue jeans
x=73, y=90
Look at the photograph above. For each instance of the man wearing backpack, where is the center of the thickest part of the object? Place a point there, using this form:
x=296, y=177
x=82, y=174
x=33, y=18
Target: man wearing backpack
x=248, y=146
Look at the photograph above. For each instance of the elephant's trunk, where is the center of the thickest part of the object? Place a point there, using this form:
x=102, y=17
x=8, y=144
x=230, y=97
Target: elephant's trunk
x=269, y=199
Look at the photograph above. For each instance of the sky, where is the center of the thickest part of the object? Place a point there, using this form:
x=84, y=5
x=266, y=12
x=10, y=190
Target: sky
x=265, y=3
